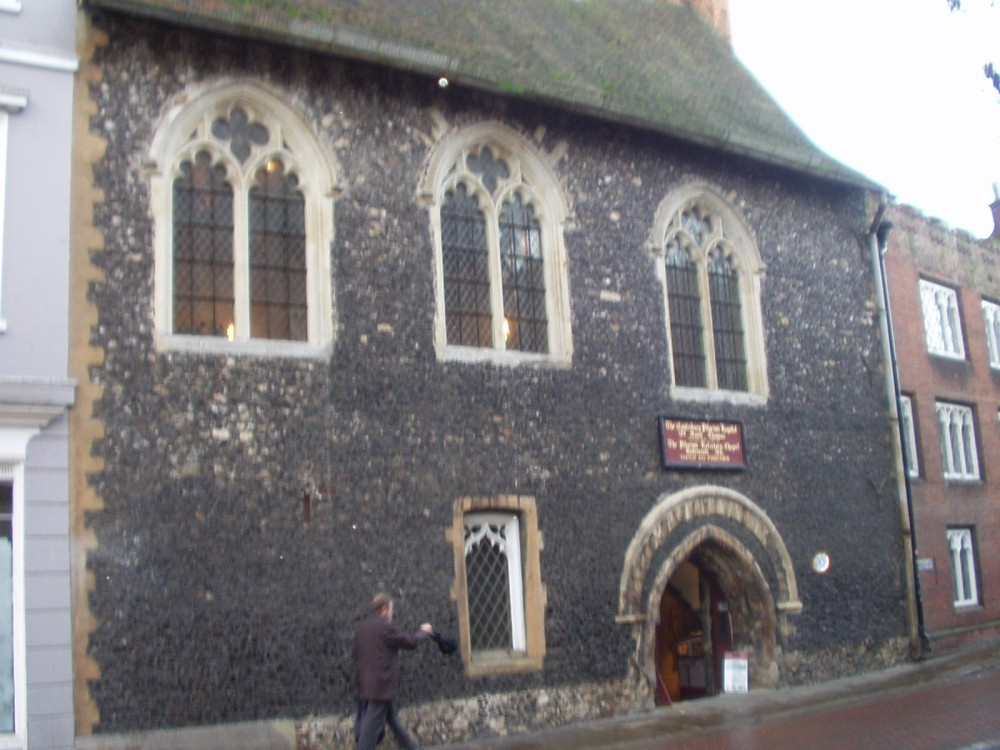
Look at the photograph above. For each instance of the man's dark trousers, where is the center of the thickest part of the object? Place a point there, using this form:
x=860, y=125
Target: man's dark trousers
x=381, y=714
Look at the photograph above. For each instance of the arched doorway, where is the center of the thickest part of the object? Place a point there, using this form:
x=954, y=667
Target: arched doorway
x=693, y=635
x=707, y=572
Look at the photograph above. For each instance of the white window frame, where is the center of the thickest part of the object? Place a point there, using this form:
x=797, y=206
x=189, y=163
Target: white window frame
x=533, y=177
x=962, y=545
x=991, y=321
x=511, y=547
x=909, y=436
x=19, y=423
x=12, y=442
x=730, y=230
x=10, y=103
x=293, y=141
x=13, y=474
x=942, y=320
x=959, y=447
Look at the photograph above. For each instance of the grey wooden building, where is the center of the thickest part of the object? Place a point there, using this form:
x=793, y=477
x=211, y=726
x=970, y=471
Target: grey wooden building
x=541, y=317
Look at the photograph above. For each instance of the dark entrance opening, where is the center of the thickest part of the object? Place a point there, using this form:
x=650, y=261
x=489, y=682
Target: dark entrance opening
x=694, y=633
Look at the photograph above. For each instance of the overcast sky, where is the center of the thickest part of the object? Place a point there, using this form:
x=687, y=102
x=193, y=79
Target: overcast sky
x=893, y=88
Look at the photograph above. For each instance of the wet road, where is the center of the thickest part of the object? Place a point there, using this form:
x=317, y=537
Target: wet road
x=962, y=715
x=951, y=702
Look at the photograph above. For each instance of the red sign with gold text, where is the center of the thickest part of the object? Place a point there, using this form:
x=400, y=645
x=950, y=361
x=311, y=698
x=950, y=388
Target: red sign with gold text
x=701, y=444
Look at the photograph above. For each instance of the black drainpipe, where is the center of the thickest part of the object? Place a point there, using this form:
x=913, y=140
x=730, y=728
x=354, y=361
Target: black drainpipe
x=882, y=228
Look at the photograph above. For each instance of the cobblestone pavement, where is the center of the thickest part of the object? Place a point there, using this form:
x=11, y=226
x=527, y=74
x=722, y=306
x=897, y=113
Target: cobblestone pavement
x=949, y=702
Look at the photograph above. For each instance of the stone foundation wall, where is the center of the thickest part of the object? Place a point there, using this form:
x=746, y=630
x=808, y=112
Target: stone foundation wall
x=518, y=712
x=486, y=715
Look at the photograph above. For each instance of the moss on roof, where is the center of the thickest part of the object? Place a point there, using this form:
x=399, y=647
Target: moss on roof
x=653, y=64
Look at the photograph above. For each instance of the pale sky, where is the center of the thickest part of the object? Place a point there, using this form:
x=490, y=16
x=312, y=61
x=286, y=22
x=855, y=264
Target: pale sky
x=893, y=88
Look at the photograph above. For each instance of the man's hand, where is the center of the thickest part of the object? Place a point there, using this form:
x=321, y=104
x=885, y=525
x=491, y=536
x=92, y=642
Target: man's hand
x=426, y=627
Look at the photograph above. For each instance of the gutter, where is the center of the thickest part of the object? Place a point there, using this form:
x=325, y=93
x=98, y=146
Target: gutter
x=878, y=235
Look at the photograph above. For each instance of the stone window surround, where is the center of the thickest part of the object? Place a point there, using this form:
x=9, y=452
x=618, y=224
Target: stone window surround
x=532, y=175
x=531, y=660
x=293, y=141
x=748, y=264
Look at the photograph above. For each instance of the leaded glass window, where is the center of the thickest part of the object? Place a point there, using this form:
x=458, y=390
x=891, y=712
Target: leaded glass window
x=203, y=248
x=208, y=241
x=466, y=270
x=243, y=209
x=493, y=582
x=496, y=269
x=523, y=278
x=278, y=302
x=208, y=249
x=727, y=322
x=706, y=302
x=686, y=331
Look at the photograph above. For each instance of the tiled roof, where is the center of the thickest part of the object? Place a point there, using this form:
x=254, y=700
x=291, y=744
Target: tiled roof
x=653, y=64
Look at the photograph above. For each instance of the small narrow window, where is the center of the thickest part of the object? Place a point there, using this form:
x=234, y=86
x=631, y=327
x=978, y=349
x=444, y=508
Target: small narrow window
x=6, y=609
x=468, y=313
x=203, y=249
x=523, y=278
x=963, y=566
x=686, y=333
x=909, y=436
x=500, y=597
x=493, y=582
x=727, y=322
x=942, y=322
x=278, y=302
x=10, y=104
x=991, y=319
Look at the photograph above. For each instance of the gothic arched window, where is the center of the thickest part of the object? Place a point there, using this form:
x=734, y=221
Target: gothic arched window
x=711, y=272
x=497, y=214
x=244, y=225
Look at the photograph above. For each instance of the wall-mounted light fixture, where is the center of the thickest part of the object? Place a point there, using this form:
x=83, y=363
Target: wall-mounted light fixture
x=821, y=562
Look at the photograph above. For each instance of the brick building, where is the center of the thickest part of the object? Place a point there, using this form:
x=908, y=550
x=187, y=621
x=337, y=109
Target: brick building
x=541, y=317
x=944, y=290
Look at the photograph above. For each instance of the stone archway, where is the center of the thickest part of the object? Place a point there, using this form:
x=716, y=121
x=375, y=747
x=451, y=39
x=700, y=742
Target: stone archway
x=759, y=614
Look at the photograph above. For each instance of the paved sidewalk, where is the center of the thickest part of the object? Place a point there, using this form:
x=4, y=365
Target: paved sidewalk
x=735, y=712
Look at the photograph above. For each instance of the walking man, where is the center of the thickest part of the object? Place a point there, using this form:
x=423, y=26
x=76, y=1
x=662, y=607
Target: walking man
x=377, y=642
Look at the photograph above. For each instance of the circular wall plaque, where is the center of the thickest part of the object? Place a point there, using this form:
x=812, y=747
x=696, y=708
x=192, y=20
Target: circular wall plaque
x=821, y=562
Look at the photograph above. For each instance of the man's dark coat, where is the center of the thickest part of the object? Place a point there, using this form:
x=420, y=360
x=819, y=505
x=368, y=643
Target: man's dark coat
x=376, y=657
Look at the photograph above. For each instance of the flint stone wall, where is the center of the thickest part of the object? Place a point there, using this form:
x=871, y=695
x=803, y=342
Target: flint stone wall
x=215, y=601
